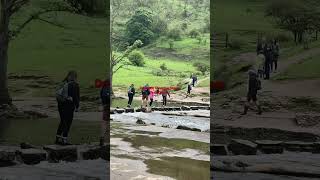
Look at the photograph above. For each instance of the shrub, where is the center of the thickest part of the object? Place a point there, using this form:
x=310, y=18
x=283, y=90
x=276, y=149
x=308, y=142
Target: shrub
x=175, y=34
x=203, y=68
x=194, y=33
x=136, y=58
x=283, y=37
x=163, y=67
x=171, y=43
x=184, y=26
x=236, y=44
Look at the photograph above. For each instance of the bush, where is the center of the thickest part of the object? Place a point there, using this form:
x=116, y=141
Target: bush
x=283, y=37
x=184, y=26
x=163, y=67
x=203, y=68
x=160, y=26
x=171, y=43
x=236, y=44
x=175, y=34
x=136, y=58
x=194, y=33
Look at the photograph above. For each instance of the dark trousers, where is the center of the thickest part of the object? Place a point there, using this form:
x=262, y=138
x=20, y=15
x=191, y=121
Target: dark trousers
x=267, y=70
x=130, y=99
x=151, y=101
x=275, y=61
x=66, y=116
x=164, y=98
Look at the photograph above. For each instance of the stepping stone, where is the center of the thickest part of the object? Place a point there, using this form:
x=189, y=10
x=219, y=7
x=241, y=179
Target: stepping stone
x=139, y=110
x=91, y=152
x=31, y=156
x=129, y=110
x=120, y=111
x=155, y=109
x=7, y=155
x=58, y=153
x=316, y=149
x=194, y=107
x=242, y=147
x=219, y=149
x=187, y=128
x=204, y=107
x=112, y=110
x=297, y=146
x=185, y=108
x=270, y=147
x=176, y=108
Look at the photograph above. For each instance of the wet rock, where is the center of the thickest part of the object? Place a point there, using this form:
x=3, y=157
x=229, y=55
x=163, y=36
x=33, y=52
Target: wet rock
x=140, y=121
x=129, y=110
x=270, y=147
x=316, y=149
x=139, y=110
x=120, y=111
x=242, y=147
x=219, y=149
x=7, y=156
x=185, y=108
x=31, y=156
x=187, y=128
x=153, y=124
x=194, y=107
x=58, y=153
x=307, y=120
x=165, y=126
x=36, y=115
x=91, y=152
x=297, y=146
x=26, y=146
x=176, y=108
x=112, y=110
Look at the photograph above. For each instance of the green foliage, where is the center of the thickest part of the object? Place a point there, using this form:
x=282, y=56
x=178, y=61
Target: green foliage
x=140, y=27
x=160, y=26
x=194, y=33
x=163, y=67
x=175, y=34
x=171, y=43
x=202, y=67
x=136, y=58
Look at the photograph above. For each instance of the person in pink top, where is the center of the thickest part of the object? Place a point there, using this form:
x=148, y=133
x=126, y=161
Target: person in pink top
x=151, y=96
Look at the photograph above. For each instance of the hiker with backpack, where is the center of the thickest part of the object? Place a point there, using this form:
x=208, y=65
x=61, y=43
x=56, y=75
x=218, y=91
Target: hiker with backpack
x=253, y=87
x=145, y=95
x=131, y=93
x=68, y=97
x=105, y=100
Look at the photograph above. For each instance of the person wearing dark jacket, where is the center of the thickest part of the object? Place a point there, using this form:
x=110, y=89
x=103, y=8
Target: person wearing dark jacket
x=105, y=99
x=131, y=93
x=165, y=93
x=67, y=107
x=253, y=87
x=268, y=60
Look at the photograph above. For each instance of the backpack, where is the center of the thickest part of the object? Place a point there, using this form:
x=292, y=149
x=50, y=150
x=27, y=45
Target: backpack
x=62, y=92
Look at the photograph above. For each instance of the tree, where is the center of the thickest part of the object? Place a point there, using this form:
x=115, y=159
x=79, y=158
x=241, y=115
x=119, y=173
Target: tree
x=119, y=61
x=7, y=10
x=140, y=27
x=296, y=16
x=136, y=58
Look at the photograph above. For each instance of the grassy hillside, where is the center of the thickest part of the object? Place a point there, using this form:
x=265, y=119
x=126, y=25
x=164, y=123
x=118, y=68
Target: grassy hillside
x=46, y=49
x=180, y=58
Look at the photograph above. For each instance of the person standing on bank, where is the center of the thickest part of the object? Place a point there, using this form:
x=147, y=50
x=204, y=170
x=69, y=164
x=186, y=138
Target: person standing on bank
x=189, y=88
x=268, y=54
x=165, y=93
x=68, y=97
x=254, y=86
x=131, y=93
x=105, y=100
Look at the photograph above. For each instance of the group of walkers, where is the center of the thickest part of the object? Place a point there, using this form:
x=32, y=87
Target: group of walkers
x=68, y=98
x=148, y=95
x=269, y=53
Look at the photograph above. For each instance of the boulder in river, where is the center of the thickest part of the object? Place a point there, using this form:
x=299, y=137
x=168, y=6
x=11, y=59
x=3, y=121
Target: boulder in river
x=140, y=121
x=270, y=147
x=188, y=128
x=242, y=147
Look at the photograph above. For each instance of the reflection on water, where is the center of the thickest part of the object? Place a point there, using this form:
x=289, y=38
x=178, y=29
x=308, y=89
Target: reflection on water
x=180, y=168
x=159, y=119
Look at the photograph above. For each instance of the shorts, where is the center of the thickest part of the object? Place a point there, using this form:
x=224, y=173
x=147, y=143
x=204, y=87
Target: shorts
x=145, y=97
x=252, y=97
